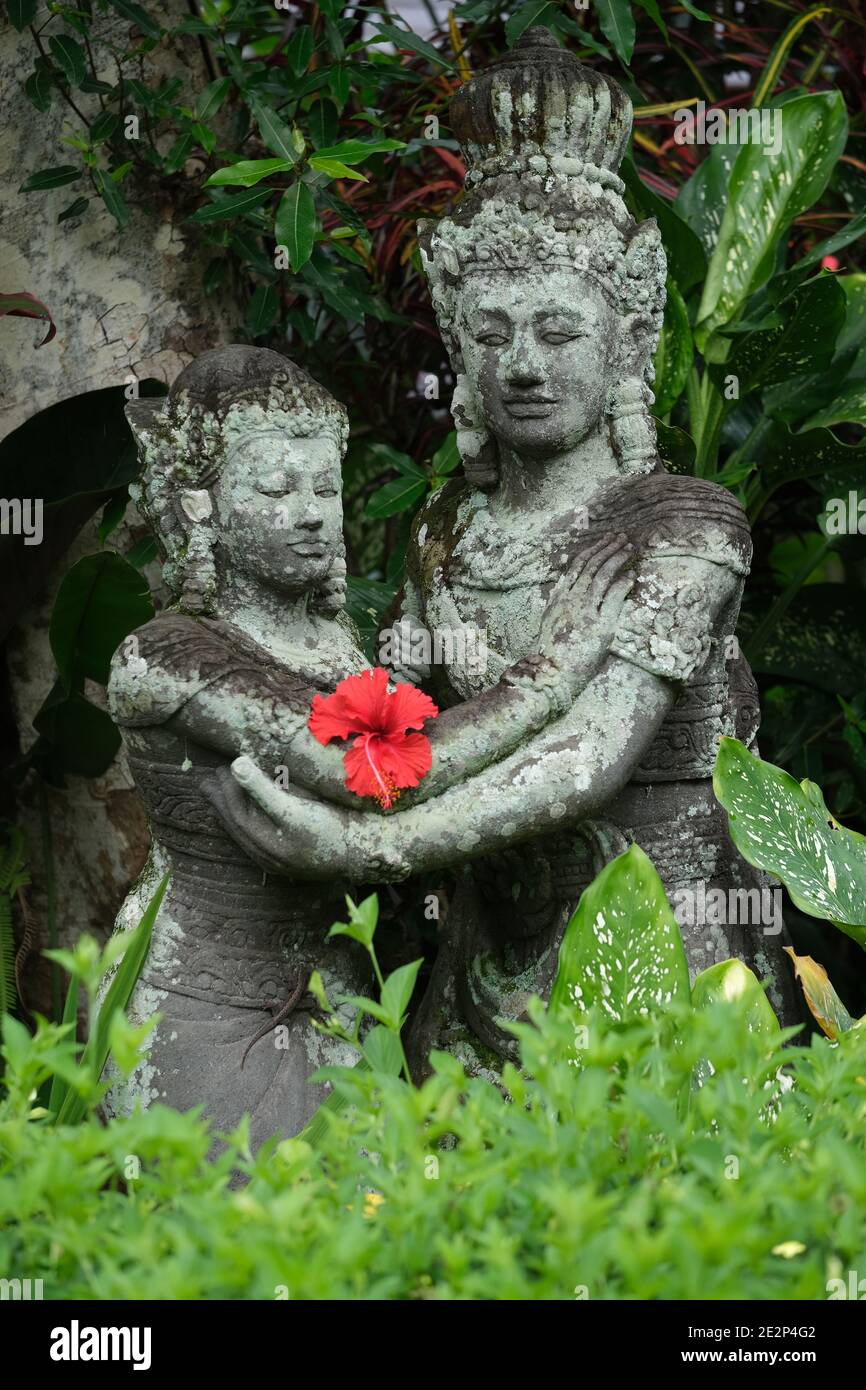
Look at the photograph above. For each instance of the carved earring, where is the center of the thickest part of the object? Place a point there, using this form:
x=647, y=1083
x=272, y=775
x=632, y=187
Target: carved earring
x=632, y=431
x=198, y=567
x=475, y=445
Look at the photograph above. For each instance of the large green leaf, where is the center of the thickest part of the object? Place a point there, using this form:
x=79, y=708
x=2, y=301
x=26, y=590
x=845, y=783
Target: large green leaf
x=72, y=455
x=784, y=827
x=295, y=225
x=69, y=57
x=765, y=194
x=101, y=599
x=784, y=457
x=622, y=951
x=820, y=641
x=729, y=981
x=274, y=131
x=673, y=359
x=803, y=339
x=617, y=24
x=233, y=205
x=248, y=172
x=687, y=262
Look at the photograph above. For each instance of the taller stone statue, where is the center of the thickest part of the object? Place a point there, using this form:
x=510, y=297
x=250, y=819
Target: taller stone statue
x=550, y=299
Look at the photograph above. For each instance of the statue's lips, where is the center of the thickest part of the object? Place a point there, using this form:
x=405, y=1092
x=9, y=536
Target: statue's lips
x=529, y=407
x=309, y=549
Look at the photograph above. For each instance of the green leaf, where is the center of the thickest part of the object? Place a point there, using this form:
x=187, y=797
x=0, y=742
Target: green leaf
x=56, y=177
x=100, y=601
x=21, y=13
x=382, y=1051
x=533, y=12
x=116, y=1000
x=784, y=827
x=179, y=152
x=235, y=205
x=673, y=359
x=104, y=127
x=263, y=309
x=139, y=17
x=69, y=57
x=299, y=49
x=211, y=98
x=398, y=496
x=804, y=340
x=617, y=24
x=824, y=1003
x=446, y=457
x=820, y=641
x=356, y=151
x=295, y=224
x=848, y=408
x=112, y=197
x=322, y=122
x=363, y=918
x=334, y=169
x=398, y=990
x=765, y=194
x=39, y=87
x=274, y=131
x=74, y=210
x=248, y=172
x=622, y=951
x=405, y=38
x=676, y=448
x=730, y=981
x=60, y=1087
x=786, y=458
x=687, y=262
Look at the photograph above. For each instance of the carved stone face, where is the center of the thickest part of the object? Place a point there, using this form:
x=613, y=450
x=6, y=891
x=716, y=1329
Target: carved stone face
x=279, y=510
x=539, y=350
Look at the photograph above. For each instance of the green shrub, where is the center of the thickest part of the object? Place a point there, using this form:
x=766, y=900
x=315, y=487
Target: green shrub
x=612, y=1179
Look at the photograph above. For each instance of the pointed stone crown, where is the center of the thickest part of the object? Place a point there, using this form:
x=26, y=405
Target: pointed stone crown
x=538, y=110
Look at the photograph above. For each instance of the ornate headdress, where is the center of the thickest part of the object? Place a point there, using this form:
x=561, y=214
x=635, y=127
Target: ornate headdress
x=543, y=138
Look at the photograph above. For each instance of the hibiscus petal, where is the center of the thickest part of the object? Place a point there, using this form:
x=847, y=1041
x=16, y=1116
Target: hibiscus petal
x=407, y=708
x=405, y=758
x=356, y=707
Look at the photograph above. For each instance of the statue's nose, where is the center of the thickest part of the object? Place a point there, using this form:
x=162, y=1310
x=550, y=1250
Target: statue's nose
x=521, y=370
x=311, y=520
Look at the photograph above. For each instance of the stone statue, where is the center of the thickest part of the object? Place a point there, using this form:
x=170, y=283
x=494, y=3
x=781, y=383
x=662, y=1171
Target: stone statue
x=550, y=298
x=241, y=482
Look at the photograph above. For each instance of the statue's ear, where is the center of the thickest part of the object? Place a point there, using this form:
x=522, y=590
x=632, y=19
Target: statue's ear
x=143, y=416
x=637, y=343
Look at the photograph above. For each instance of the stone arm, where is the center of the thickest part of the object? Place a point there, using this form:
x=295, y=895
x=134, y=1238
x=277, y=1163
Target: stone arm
x=568, y=773
x=580, y=620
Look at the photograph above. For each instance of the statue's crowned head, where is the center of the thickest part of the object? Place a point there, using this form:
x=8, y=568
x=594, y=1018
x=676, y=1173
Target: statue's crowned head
x=241, y=471
x=548, y=294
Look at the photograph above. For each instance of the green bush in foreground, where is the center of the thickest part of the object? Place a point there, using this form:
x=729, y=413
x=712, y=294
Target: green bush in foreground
x=609, y=1177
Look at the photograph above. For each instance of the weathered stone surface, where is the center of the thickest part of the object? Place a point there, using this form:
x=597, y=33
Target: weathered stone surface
x=607, y=592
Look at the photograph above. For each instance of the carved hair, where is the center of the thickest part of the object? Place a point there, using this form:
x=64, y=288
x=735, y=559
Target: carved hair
x=543, y=137
x=182, y=444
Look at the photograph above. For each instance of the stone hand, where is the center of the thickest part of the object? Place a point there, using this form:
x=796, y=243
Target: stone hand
x=313, y=839
x=410, y=648
x=583, y=609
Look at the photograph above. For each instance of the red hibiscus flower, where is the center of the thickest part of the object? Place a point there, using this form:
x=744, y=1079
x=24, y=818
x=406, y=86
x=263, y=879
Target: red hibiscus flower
x=384, y=757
